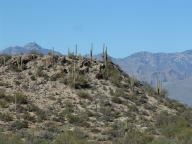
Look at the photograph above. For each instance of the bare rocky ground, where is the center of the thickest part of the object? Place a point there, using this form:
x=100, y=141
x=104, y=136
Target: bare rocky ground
x=43, y=96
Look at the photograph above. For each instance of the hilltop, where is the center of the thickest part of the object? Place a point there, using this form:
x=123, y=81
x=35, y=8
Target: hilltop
x=73, y=99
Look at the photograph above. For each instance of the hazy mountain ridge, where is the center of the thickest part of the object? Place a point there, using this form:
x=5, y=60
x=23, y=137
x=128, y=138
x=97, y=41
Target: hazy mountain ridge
x=165, y=66
x=32, y=46
x=173, y=69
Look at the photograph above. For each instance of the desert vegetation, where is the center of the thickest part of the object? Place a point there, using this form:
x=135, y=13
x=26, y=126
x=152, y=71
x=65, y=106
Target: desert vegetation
x=74, y=99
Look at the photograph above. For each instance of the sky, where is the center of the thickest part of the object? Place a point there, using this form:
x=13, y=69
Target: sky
x=125, y=26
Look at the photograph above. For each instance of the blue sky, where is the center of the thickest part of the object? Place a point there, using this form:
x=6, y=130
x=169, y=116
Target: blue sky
x=126, y=26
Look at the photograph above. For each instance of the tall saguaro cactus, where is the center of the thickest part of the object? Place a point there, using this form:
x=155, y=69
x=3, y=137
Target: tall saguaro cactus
x=76, y=50
x=68, y=52
x=103, y=54
x=19, y=60
x=4, y=60
x=106, y=61
x=53, y=53
x=91, y=52
x=159, y=86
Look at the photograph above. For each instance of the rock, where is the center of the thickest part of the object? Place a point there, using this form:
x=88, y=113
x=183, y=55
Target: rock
x=28, y=58
x=101, y=67
x=62, y=60
x=99, y=76
x=84, y=70
x=86, y=62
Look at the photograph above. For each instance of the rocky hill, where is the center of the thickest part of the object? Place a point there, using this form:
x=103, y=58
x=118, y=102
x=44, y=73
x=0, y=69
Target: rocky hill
x=72, y=99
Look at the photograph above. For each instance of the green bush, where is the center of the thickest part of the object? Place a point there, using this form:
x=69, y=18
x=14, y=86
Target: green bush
x=17, y=125
x=33, y=78
x=117, y=100
x=69, y=137
x=73, y=119
x=5, y=139
x=3, y=104
x=6, y=117
x=21, y=98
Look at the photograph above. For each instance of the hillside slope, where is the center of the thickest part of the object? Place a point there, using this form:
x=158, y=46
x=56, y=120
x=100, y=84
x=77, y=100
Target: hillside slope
x=56, y=99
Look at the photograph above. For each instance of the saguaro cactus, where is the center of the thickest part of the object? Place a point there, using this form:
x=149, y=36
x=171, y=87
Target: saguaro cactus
x=106, y=55
x=4, y=60
x=68, y=52
x=91, y=52
x=53, y=53
x=106, y=61
x=21, y=60
x=15, y=104
x=159, y=86
x=76, y=50
x=103, y=54
x=18, y=62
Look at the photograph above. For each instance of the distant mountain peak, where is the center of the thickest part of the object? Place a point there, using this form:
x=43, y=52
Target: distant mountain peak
x=32, y=46
x=188, y=52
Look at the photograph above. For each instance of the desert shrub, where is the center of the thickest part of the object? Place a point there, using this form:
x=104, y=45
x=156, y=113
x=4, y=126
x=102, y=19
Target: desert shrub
x=6, y=117
x=10, y=139
x=39, y=71
x=112, y=73
x=21, y=98
x=150, y=107
x=42, y=115
x=184, y=136
x=33, y=78
x=148, y=88
x=162, y=140
x=67, y=111
x=69, y=137
x=133, y=108
x=174, y=126
x=73, y=119
x=80, y=82
x=5, y=98
x=84, y=95
x=116, y=100
x=28, y=117
x=120, y=93
x=15, y=68
x=2, y=93
x=31, y=139
x=134, y=136
x=17, y=125
x=56, y=76
x=116, y=131
x=32, y=108
x=3, y=104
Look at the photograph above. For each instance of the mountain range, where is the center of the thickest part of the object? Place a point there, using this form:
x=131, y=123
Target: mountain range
x=173, y=69
x=30, y=47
